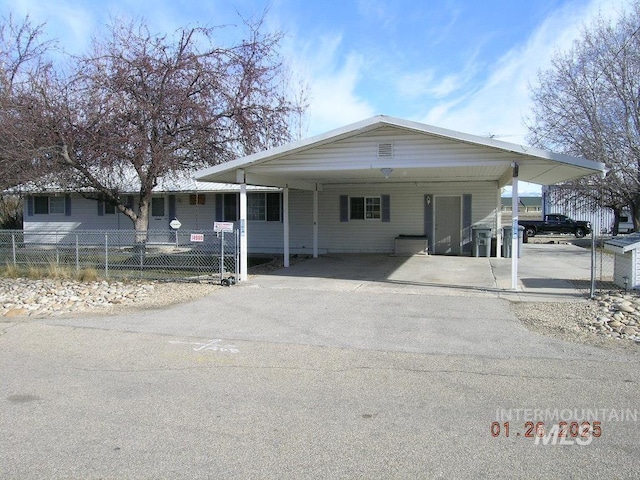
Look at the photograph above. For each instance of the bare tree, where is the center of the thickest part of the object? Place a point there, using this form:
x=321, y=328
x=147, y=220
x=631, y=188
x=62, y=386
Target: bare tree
x=140, y=107
x=22, y=58
x=588, y=104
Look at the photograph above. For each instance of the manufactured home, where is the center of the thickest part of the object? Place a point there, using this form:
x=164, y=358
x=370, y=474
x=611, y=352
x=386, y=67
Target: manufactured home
x=364, y=186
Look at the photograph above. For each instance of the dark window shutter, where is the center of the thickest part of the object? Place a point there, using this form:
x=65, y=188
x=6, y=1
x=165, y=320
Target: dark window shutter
x=100, y=207
x=344, y=208
x=273, y=207
x=428, y=220
x=130, y=201
x=172, y=207
x=30, y=206
x=466, y=224
x=67, y=205
x=385, y=206
x=219, y=207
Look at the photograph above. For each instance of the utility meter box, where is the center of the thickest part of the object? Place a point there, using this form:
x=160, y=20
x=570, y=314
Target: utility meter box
x=481, y=240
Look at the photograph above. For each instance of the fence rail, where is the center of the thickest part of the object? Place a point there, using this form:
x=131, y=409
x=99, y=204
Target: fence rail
x=178, y=254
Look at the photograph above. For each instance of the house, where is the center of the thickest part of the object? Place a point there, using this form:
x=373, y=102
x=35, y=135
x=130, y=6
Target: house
x=360, y=187
x=601, y=218
x=529, y=205
x=197, y=205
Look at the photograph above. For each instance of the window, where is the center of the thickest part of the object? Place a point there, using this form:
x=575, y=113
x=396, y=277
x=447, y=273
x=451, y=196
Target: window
x=157, y=207
x=226, y=207
x=256, y=206
x=56, y=205
x=109, y=208
x=196, y=199
x=263, y=207
x=44, y=205
x=41, y=205
x=362, y=208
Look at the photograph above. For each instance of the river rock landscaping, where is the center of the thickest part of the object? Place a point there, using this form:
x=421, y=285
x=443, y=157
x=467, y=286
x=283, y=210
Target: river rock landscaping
x=21, y=297
x=610, y=319
x=619, y=316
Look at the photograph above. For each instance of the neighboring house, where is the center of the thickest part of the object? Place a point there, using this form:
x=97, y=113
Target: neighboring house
x=357, y=188
x=528, y=205
x=585, y=209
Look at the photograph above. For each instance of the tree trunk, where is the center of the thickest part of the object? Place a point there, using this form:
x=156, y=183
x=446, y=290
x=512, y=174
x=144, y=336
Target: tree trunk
x=635, y=215
x=616, y=221
x=141, y=225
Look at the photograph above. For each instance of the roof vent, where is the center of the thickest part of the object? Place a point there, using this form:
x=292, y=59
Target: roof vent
x=385, y=150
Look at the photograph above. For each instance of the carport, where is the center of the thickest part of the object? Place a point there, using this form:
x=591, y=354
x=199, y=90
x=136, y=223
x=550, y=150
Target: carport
x=385, y=176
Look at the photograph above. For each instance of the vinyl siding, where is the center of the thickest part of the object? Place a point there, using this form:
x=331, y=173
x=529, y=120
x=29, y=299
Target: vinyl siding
x=364, y=236
x=407, y=212
x=84, y=216
x=623, y=266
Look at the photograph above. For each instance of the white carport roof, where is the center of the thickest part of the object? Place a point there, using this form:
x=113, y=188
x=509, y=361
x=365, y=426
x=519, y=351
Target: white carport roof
x=443, y=155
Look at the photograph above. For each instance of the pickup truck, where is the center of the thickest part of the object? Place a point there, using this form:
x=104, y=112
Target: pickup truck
x=555, y=223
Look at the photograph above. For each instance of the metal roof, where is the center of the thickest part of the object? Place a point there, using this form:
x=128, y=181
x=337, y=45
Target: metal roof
x=623, y=243
x=421, y=153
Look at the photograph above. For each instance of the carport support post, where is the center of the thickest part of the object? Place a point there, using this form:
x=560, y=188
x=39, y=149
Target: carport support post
x=240, y=178
x=515, y=202
x=285, y=224
x=315, y=223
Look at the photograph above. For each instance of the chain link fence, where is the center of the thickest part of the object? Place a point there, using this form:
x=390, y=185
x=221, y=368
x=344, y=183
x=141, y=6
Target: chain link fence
x=604, y=264
x=158, y=255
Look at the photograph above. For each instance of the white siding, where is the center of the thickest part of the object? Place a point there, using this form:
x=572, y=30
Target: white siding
x=407, y=216
x=367, y=236
x=623, y=267
x=84, y=216
x=195, y=217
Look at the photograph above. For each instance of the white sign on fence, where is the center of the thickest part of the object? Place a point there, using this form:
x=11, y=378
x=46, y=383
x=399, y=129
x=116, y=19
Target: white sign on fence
x=175, y=224
x=223, y=226
x=197, y=237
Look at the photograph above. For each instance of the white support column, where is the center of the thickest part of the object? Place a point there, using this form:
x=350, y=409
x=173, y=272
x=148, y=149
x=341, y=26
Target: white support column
x=243, y=227
x=285, y=224
x=315, y=223
x=515, y=202
x=499, y=238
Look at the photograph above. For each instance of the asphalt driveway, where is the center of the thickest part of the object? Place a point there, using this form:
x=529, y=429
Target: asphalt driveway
x=302, y=376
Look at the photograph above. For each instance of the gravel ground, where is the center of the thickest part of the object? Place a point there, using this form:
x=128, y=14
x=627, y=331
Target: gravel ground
x=569, y=321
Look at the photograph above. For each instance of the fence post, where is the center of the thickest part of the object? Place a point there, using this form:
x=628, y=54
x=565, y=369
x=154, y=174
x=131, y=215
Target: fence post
x=77, y=257
x=106, y=255
x=592, y=292
x=221, y=255
x=237, y=254
x=13, y=247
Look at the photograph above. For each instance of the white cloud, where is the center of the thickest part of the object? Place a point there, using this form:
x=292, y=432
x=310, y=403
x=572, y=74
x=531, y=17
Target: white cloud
x=332, y=80
x=499, y=105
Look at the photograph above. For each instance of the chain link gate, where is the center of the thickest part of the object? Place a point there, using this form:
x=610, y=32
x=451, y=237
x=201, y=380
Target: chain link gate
x=157, y=255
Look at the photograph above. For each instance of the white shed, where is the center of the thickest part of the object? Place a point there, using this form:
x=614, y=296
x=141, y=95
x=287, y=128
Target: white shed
x=626, y=250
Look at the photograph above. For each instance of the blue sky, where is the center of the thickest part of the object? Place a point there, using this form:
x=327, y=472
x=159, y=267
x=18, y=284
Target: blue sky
x=460, y=64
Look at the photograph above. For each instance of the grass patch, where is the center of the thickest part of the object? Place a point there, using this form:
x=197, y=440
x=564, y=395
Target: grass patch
x=11, y=271
x=87, y=275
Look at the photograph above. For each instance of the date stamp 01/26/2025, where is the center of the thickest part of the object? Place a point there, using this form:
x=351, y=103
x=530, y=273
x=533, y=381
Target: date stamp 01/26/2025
x=557, y=427
x=561, y=433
